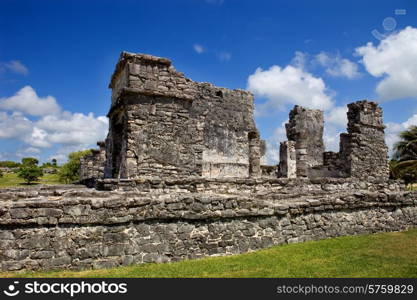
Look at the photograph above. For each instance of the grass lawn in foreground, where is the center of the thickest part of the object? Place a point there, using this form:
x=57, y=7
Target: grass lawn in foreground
x=12, y=180
x=376, y=255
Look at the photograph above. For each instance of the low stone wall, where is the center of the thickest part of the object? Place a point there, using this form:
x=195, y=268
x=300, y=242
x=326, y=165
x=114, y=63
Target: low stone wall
x=84, y=228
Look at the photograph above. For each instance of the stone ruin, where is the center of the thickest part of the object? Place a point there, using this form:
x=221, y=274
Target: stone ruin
x=164, y=125
x=180, y=176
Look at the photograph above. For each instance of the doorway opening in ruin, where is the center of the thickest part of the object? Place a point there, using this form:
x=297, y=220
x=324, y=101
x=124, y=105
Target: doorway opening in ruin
x=117, y=127
x=254, y=154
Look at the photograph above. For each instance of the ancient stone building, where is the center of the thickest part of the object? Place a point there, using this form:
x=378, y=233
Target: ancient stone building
x=163, y=124
x=182, y=179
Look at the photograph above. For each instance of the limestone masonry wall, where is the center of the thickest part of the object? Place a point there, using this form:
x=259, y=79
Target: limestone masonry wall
x=163, y=124
x=92, y=165
x=59, y=227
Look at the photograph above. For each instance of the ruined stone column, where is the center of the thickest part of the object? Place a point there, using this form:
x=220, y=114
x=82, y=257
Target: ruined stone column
x=363, y=150
x=287, y=160
x=92, y=165
x=254, y=155
x=305, y=128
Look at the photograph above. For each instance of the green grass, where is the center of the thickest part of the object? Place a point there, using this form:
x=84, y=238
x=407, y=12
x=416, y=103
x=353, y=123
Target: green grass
x=376, y=255
x=11, y=180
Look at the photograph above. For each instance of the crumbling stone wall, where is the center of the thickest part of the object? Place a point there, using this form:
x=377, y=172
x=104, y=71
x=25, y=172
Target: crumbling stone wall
x=163, y=124
x=363, y=153
x=92, y=165
x=58, y=227
x=305, y=128
x=362, y=149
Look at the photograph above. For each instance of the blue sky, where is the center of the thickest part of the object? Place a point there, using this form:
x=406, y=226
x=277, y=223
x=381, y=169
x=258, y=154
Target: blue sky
x=312, y=53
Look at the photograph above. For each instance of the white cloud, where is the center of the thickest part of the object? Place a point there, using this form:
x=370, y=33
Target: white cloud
x=37, y=138
x=28, y=102
x=299, y=60
x=337, y=66
x=335, y=122
x=14, y=125
x=74, y=129
x=337, y=116
x=393, y=129
x=394, y=59
x=331, y=137
x=198, y=48
x=272, y=145
x=289, y=85
x=30, y=151
x=14, y=66
x=64, y=129
x=224, y=56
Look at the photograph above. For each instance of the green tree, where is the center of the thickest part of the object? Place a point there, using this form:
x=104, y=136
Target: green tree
x=404, y=163
x=1, y=174
x=29, y=170
x=54, y=162
x=70, y=171
x=30, y=161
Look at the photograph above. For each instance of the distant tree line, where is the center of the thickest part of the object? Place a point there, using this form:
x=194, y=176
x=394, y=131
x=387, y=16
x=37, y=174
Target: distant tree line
x=30, y=172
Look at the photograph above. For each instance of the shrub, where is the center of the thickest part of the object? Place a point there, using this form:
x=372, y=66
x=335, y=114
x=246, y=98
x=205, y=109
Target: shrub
x=70, y=171
x=29, y=170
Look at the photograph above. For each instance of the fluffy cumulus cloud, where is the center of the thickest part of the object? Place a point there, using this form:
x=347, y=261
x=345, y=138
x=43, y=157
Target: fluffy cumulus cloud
x=337, y=66
x=288, y=85
x=41, y=123
x=394, y=59
x=73, y=129
x=28, y=102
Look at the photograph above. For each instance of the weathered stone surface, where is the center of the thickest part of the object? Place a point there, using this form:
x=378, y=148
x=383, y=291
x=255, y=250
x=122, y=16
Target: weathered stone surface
x=305, y=128
x=158, y=221
x=92, y=165
x=288, y=160
x=163, y=124
x=363, y=150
